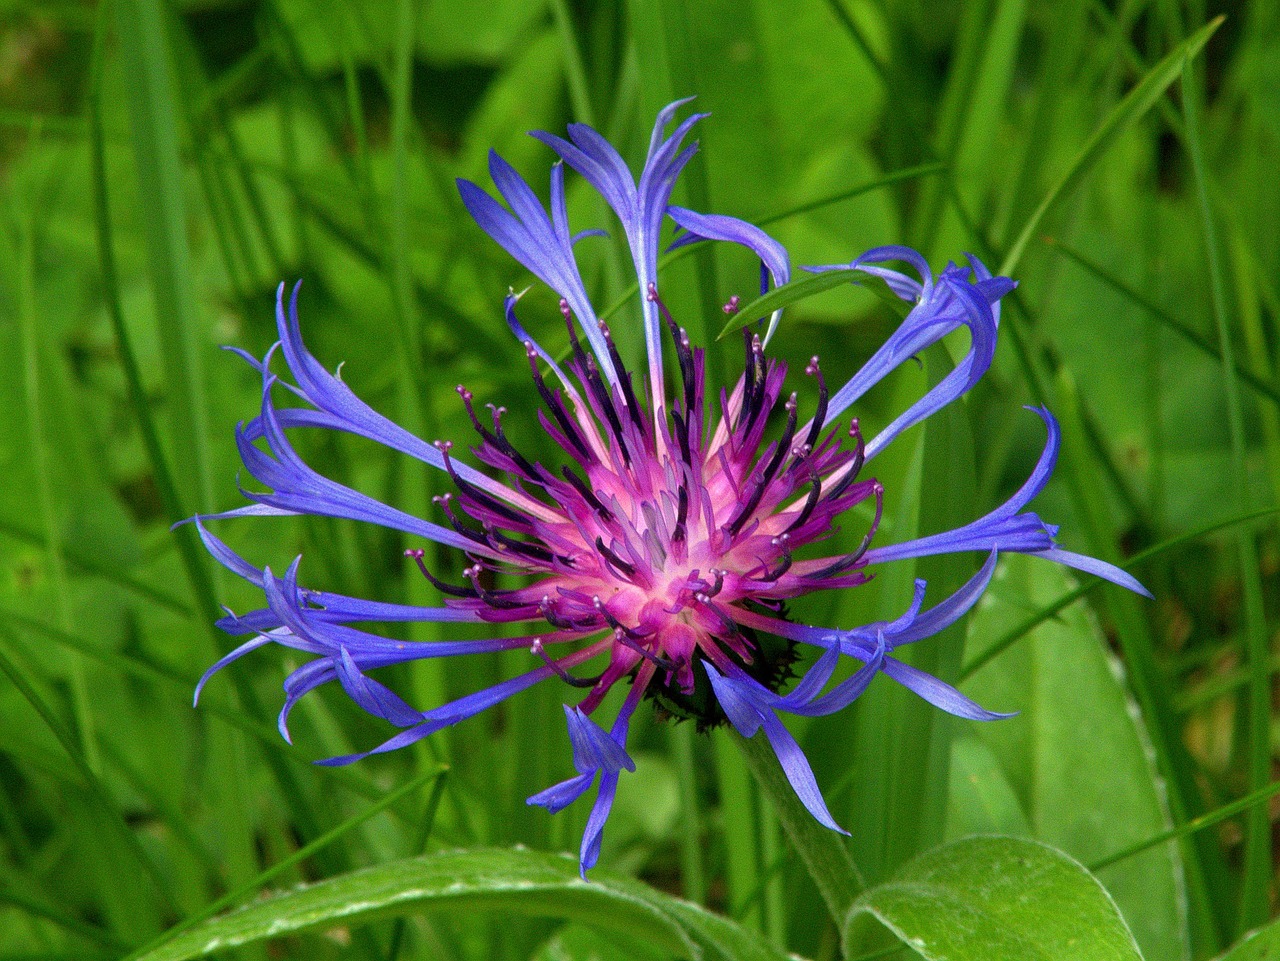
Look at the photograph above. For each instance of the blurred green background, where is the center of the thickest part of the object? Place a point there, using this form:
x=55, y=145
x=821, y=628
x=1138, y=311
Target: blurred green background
x=166, y=165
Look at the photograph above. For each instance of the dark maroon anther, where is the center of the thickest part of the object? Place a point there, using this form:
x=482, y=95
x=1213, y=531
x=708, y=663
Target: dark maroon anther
x=662, y=663
x=605, y=405
x=556, y=406
x=438, y=584
x=538, y=650
x=820, y=414
x=614, y=561
x=810, y=502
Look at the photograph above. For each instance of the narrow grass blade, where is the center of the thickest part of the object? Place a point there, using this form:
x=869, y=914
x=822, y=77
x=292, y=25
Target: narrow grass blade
x=93, y=784
x=787, y=294
x=1246, y=803
x=83, y=561
x=1168, y=320
x=24, y=902
x=1254, y=899
x=248, y=890
x=40, y=457
x=1003, y=642
x=691, y=868
x=178, y=685
x=153, y=121
x=1138, y=101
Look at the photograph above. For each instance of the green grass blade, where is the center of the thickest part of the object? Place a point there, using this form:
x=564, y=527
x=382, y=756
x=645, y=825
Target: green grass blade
x=92, y=782
x=898, y=176
x=253, y=887
x=787, y=294
x=1168, y=320
x=1227, y=811
x=1138, y=101
x=692, y=871
x=178, y=686
x=1135, y=562
x=1254, y=899
x=80, y=559
x=40, y=455
x=153, y=121
x=12, y=896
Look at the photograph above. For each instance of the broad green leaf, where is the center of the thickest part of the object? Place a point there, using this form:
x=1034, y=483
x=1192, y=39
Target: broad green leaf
x=516, y=881
x=996, y=899
x=1077, y=756
x=1260, y=945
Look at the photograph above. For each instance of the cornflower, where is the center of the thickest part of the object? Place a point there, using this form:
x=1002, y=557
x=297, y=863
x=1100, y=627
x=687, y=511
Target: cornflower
x=665, y=546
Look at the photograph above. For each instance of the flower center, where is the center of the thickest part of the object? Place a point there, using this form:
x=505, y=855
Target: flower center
x=660, y=534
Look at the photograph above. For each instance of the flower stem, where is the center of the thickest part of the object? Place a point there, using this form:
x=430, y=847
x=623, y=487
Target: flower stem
x=824, y=853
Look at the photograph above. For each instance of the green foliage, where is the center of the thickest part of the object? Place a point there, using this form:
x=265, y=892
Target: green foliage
x=502, y=882
x=166, y=163
x=997, y=899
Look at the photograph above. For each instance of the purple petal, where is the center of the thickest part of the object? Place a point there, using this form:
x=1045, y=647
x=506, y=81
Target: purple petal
x=449, y=714
x=594, y=749
x=559, y=796
x=939, y=693
x=800, y=775
x=1091, y=565
x=589, y=853
x=719, y=227
x=376, y=698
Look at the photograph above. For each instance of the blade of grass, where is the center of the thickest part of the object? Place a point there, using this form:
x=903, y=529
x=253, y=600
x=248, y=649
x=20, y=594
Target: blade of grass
x=1168, y=320
x=178, y=685
x=1247, y=803
x=29, y=323
x=1254, y=898
x=92, y=783
x=195, y=561
x=692, y=872
x=898, y=176
x=153, y=122
x=787, y=294
x=1132, y=108
x=742, y=849
x=254, y=886
x=149, y=97
x=1003, y=643
x=15, y=898
x=1245, y=271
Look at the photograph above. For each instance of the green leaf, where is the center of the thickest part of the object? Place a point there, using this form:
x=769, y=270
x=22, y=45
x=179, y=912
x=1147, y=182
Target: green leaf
x=1127, y=112
x=517, y=881
x=1077, y=756
x=996, y=898
x=780, y=297
x=1260, y=945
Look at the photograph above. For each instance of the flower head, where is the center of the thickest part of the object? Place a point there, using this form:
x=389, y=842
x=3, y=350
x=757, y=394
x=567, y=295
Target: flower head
x=663, y=546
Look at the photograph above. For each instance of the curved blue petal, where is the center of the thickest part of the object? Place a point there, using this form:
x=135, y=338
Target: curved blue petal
x=939, y=693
